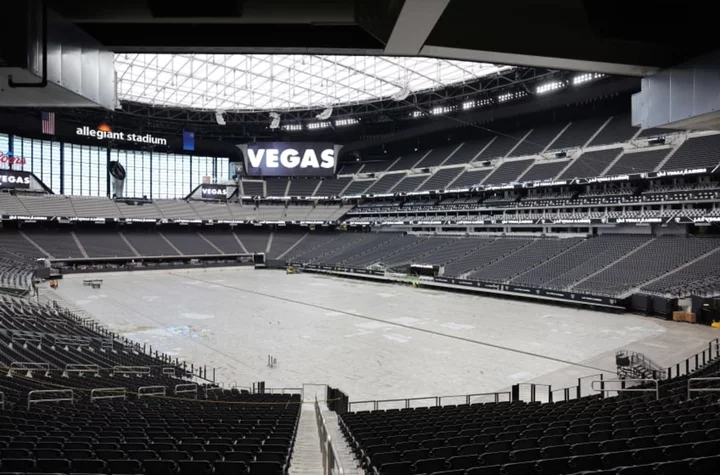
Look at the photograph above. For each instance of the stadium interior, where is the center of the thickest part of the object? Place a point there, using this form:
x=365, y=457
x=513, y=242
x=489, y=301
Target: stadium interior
x=359, y=237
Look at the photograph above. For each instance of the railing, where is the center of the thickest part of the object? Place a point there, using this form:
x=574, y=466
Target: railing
x=622, y=388
x=209, y=388
x=142, y=370
x=190, y=388
x=701, y=390
x=2, y=400
x=28, y=366
x=696, y=361
x=408, y=403
x=283, y=391
x=145, y=391
x=108, y=393
x=82, y=368
x=62, y=395
x=545, y=396
x=331, y=462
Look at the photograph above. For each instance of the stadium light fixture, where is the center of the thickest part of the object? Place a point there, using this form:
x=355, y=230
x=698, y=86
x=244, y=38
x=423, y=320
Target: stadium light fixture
x=416, y=114
x=586, y=77
x=346, y=122
x=550, y=86
x=318, y=125
x=511, y=95
x=292, y=127
x=441, y=110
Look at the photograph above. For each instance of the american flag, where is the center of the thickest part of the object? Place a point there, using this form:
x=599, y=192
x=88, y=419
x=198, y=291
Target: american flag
x=48, y=123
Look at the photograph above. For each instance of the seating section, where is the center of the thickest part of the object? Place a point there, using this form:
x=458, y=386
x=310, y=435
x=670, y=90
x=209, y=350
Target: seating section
x=254, y=241
x=437, y=156
x=303, y=186
x=582, y=260
x=577, y=134
x=638, y=162
x=614, y=435
x=149, y=243
x=276, y=186
x=441, y=179
x=470, y=177
x=384, y=184
x=591, y=164
x=253, y=188
x=696, y=152
x=541, y=171
x=508, y=172
x=467, y=151
x=700, y=278
x=103, y=244
x=17, y=244
x=406, y=162
x=332, y=186
x=618, y=130
x=491, y=252
x=282, y=242
x=60, y=245
x=499, y=147
x=532, y=255
x=189, y=243
x=16, y=271
x=409, y=183
x=358, y=187
x=658, y=257
x=202, y=430
x=538, y=140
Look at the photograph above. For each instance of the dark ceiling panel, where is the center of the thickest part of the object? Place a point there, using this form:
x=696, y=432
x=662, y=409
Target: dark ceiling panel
x=612, y=31
x=183, y=37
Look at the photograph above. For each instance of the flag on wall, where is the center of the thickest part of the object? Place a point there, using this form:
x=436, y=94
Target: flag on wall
x=48, y=123
x=188, y=140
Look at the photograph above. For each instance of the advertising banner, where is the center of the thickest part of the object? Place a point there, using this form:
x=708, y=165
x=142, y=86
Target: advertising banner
x=14, y=179
x=290, y=158
x=214, y=192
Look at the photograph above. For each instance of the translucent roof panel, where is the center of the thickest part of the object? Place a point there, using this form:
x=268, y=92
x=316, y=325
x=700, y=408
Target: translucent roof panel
x=261, y=82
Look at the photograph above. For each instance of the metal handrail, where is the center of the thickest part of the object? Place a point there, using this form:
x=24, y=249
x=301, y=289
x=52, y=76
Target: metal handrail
x=697, y=360
x=2, y=400
x=437, y=399
x=145, y=370
x=144, y=391
x=186, y=389
x=113, y=393
x=331, y=462
x=623, y=389
x=701, y=390
x=67, y=392
x=82, y=368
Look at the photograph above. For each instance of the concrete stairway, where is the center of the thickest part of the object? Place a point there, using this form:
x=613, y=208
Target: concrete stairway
x=347, y=458
x=307, y=457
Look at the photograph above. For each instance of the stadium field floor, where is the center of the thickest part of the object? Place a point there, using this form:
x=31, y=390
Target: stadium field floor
x=372, y=340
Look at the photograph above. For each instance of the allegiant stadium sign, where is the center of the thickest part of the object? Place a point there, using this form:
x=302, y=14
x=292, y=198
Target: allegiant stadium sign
x=107, y=134
x=290, y=159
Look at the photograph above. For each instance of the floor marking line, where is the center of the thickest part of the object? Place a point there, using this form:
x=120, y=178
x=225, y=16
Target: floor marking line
x=409, y=327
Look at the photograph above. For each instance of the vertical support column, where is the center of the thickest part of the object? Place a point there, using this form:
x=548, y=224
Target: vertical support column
x=62, y=168
x=107, y=174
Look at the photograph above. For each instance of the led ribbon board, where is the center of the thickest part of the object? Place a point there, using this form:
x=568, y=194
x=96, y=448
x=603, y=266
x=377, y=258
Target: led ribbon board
x=290, y=158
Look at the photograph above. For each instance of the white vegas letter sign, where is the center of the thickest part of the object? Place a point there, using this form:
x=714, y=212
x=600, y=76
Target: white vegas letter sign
x=271, y=158
x=255, y=157
x=309, y=159
x=289, y=158
x=327, y=157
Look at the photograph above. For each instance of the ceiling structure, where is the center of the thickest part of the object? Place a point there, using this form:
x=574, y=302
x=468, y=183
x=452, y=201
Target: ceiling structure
x=613, y=36
x=262, y=82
